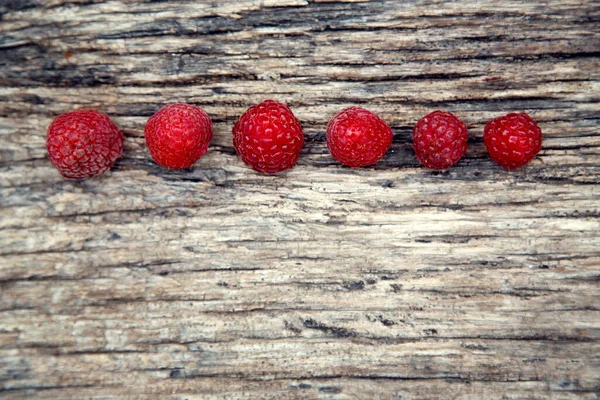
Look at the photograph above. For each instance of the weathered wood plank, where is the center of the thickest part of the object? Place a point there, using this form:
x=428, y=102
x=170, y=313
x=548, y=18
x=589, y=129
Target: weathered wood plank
x=389, y=282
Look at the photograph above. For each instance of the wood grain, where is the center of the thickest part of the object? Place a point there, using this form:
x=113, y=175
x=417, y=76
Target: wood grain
x=215, y=282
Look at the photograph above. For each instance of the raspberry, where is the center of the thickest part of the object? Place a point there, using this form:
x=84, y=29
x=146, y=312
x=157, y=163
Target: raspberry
x=357, y=137
x=268, y=137
x=512, y=140
x=83, y=143
x=440, y=140
x=177, y=135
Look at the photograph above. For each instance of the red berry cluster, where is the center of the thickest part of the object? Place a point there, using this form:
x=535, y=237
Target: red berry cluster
x=269, y=138
x=83, y=143
x=178, y=135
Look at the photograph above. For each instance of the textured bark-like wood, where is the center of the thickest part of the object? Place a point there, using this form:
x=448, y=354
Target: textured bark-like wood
x=389, y=282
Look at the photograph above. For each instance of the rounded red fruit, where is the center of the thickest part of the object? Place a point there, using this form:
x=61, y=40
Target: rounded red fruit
x=83, y=143
x=440, y=140
x=512, y=140
x=357, y=137
x=268, y=137
x=177, y=135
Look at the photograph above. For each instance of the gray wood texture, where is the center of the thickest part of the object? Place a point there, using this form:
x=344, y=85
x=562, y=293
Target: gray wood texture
x=215, y=282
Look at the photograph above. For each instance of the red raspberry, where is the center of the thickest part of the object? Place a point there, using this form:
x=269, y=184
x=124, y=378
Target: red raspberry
x=83, y=143
x=440, y=140
x=177, y=135
x=512, y=140
x=268, y=137
x=357, y=137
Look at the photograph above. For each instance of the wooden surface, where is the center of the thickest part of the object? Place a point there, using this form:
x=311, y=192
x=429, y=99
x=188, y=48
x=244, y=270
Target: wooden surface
x=390, y=282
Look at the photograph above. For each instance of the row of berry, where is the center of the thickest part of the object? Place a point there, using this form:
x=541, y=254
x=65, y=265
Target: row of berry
x=269, y=138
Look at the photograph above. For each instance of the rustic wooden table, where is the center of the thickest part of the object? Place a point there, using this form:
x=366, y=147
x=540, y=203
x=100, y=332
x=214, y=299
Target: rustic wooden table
x=390, y=282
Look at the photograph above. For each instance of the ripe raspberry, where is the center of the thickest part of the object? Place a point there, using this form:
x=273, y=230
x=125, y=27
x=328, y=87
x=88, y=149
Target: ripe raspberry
x=177, y=135
x=357, y=137
x=440, y=140
x=83, y=143
x=512, y=140
x=268, y=137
